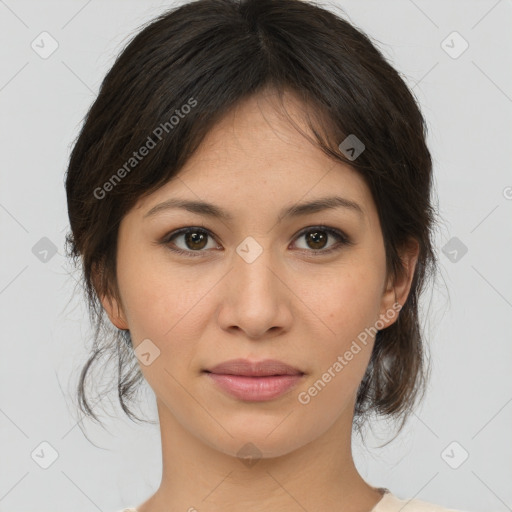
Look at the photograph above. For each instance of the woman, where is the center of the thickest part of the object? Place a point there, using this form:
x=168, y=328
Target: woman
x=250, y=201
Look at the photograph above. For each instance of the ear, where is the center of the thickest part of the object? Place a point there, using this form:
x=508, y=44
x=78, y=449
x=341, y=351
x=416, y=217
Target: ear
x=114, y=311
x=396, y=291
x=111, y=306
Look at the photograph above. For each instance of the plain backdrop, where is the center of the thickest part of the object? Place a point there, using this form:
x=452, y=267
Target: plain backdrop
x=456, y=450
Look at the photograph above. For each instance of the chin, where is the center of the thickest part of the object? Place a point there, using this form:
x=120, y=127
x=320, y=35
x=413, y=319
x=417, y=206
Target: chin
x=259, y=439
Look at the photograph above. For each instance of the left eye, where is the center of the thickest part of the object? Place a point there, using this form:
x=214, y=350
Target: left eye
x=317, y=237
x=196, y=239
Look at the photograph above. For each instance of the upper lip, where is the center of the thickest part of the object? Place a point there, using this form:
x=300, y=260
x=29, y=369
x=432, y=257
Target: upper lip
x=254, y=368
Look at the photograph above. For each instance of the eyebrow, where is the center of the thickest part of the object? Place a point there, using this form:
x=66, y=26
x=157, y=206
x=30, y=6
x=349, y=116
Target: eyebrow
x=211, y=210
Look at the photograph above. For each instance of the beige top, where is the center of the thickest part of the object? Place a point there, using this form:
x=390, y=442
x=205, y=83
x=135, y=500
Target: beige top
x=389, y=503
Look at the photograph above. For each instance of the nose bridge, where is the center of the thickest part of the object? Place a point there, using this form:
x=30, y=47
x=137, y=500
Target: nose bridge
x=254, y=294
x=254, y=264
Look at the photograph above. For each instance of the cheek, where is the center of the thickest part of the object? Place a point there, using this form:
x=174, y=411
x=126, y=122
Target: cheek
x=349, y=307
x=344, y=301
x=158, y=299
x=166, y=307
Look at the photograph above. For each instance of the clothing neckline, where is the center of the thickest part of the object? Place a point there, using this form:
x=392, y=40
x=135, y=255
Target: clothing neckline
x=376, y=508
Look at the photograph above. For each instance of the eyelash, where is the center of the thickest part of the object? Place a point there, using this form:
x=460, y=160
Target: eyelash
x=343, y=240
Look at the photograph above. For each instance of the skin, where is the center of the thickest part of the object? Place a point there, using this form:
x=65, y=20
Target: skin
x=288, y=304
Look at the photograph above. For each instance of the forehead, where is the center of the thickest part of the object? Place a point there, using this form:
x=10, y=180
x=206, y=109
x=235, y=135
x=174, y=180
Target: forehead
x=255, y=158
x=260, y=131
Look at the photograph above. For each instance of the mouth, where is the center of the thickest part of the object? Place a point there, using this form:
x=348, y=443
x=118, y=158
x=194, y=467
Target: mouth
x=246, y=368
x=255, y=381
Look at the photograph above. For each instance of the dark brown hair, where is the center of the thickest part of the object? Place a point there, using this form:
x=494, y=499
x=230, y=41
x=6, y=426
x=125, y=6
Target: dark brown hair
x=210, y=55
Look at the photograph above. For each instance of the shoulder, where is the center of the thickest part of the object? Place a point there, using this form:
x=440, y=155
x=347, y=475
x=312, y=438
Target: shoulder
x=391, y=503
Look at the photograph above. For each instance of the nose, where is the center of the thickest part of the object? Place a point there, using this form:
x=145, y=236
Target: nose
x=256, y=298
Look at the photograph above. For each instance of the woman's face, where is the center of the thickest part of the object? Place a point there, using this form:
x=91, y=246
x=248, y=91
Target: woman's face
x=257, y=284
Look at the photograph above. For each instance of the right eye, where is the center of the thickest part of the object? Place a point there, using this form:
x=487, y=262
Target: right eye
x=193, y=240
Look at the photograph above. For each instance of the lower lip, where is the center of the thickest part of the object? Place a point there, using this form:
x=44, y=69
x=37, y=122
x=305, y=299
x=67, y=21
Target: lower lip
x=255, y=389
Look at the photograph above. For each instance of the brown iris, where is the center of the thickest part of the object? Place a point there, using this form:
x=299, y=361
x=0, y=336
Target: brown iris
x=318, y=238
x=196, y=239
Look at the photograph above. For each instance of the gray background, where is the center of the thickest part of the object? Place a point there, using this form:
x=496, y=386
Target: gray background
x=467, y=101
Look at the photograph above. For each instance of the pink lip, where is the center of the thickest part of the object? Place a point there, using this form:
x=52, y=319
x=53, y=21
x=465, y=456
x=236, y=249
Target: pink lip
x=255, y=381
x=256, y=389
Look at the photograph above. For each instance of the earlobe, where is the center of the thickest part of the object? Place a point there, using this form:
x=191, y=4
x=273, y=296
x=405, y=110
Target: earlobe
x=114, y=312
x=109, y=303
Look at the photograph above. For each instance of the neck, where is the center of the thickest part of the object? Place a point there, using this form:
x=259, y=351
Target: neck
x=318, y=476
